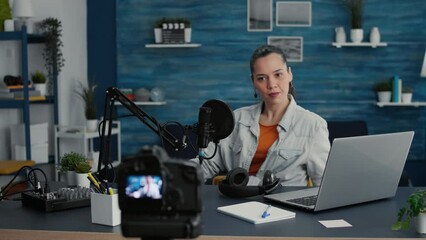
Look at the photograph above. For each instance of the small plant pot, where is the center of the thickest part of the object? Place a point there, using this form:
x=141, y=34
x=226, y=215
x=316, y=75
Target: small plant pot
x=71, y=178
x=41, y=87
x=421, y=223
x=82, y=180
x=357, y=35
x=406, y=97
x=384, y=96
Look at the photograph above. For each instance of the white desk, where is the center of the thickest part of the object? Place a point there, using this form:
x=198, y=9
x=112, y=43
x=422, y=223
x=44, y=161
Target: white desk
x=80, y=132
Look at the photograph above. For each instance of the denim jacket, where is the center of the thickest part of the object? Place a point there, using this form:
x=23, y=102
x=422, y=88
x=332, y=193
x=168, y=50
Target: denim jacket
x=300, y=151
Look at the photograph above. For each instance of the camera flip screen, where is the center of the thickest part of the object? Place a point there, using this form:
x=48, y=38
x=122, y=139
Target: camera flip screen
x=144, y=187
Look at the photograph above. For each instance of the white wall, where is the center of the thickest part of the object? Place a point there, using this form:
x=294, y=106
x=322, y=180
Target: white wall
x=73, y=16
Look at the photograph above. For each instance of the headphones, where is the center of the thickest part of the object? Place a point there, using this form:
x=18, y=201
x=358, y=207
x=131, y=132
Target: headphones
x=235, y=184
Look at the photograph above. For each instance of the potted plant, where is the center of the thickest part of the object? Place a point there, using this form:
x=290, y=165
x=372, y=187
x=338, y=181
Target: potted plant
x=383, y=90
x=355, y=8
x=75, y=167
x=39, y=80
x=416, y=210
x=407, y=95
x=88, y=96
x=51, y=29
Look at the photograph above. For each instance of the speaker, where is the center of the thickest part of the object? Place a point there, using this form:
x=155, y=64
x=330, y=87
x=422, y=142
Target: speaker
x=235, y=184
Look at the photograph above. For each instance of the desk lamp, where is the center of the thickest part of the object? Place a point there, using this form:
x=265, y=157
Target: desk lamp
x=423, y=71
x=22, y=11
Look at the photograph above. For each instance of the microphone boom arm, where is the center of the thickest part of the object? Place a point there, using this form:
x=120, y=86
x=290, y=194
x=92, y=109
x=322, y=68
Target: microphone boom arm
x=113, y=94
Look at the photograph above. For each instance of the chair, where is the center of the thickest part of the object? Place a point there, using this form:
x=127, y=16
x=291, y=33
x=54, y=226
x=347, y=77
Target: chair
x=339, y=129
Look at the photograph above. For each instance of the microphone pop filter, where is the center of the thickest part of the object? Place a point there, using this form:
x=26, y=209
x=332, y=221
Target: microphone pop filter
x=222, y=119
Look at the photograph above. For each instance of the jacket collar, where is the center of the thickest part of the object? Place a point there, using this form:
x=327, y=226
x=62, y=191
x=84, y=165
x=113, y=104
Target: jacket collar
x=252, y=119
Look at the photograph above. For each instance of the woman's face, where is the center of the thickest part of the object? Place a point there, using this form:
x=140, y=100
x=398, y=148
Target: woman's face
x=272, y=79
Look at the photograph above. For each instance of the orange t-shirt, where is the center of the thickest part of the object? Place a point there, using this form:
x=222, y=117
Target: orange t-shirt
x=267, y=136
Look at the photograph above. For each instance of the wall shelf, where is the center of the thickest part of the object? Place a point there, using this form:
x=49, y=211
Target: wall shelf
x=393, y=104
x=144, y=103
x=183, y=45
x=362, y=44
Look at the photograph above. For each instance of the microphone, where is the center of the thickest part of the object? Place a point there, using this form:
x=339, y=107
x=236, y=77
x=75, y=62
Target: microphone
x=204, y=126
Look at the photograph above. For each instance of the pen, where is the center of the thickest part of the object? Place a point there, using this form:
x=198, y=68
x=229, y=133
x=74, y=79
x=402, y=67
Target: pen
x=110, y=191
x=92, y=180
x=266, y=213
x=97, y=182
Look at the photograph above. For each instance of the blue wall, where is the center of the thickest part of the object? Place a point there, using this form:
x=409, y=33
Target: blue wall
x=335, y=83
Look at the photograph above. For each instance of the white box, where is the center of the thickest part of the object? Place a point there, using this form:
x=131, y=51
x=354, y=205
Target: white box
x=39, y=152
x=105, y=209
x=38, y=134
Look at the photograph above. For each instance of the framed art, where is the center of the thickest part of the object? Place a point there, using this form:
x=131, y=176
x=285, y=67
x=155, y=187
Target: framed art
x=291, y=46
x=259, y=15
x=293, y=14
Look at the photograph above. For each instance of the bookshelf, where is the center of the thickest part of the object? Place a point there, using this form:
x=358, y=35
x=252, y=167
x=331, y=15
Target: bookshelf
x=24, y=104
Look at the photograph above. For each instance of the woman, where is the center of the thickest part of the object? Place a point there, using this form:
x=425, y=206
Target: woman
x=276, y=134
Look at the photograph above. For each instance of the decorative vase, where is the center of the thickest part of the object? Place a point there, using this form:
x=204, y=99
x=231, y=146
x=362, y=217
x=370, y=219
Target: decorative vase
x=357, y=35
x=158, y=34
x=421, y=223
x=92, y=125
x=188, y=33
x=374, y=35
x=406, y=97
x=41, y=87
x=340, y=35
x=384, y=96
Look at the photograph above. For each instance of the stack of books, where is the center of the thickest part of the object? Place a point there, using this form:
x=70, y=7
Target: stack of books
x=17, y=92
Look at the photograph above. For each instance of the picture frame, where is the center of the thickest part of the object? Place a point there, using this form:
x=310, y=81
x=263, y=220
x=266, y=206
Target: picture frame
x=259, y=15
x=291, y=46
x=294, y=14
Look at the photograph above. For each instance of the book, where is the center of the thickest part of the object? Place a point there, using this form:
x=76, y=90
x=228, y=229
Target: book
x=252, y=212
x=31, y=93
x=7, y=95
x=33, y=98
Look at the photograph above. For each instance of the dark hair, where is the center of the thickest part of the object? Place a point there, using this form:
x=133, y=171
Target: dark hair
x=264, y=51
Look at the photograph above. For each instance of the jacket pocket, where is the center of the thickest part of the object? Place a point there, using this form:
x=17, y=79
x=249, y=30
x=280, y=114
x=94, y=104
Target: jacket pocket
x=286, y=157
x=289, y=155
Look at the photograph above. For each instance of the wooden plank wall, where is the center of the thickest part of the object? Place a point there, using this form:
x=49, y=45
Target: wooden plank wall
x=335, y=83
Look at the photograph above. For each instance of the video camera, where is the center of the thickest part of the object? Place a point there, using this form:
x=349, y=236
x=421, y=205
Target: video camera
x=159, y=197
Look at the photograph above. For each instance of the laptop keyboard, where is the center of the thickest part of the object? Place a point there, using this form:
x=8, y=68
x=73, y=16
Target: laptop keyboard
x=306, y=201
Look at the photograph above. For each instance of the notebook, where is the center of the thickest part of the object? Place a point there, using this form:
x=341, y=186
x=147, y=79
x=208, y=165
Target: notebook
x=358, y=169
x=253, y=212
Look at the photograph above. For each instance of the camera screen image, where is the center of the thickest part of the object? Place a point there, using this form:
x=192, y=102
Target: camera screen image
x=144, y=187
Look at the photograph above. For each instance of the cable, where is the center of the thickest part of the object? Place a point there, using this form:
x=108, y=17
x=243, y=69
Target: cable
x=8, y=187
x=19, y=171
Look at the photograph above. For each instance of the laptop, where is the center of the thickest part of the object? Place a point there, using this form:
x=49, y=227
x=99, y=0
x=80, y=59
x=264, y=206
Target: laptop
x=359, y=169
